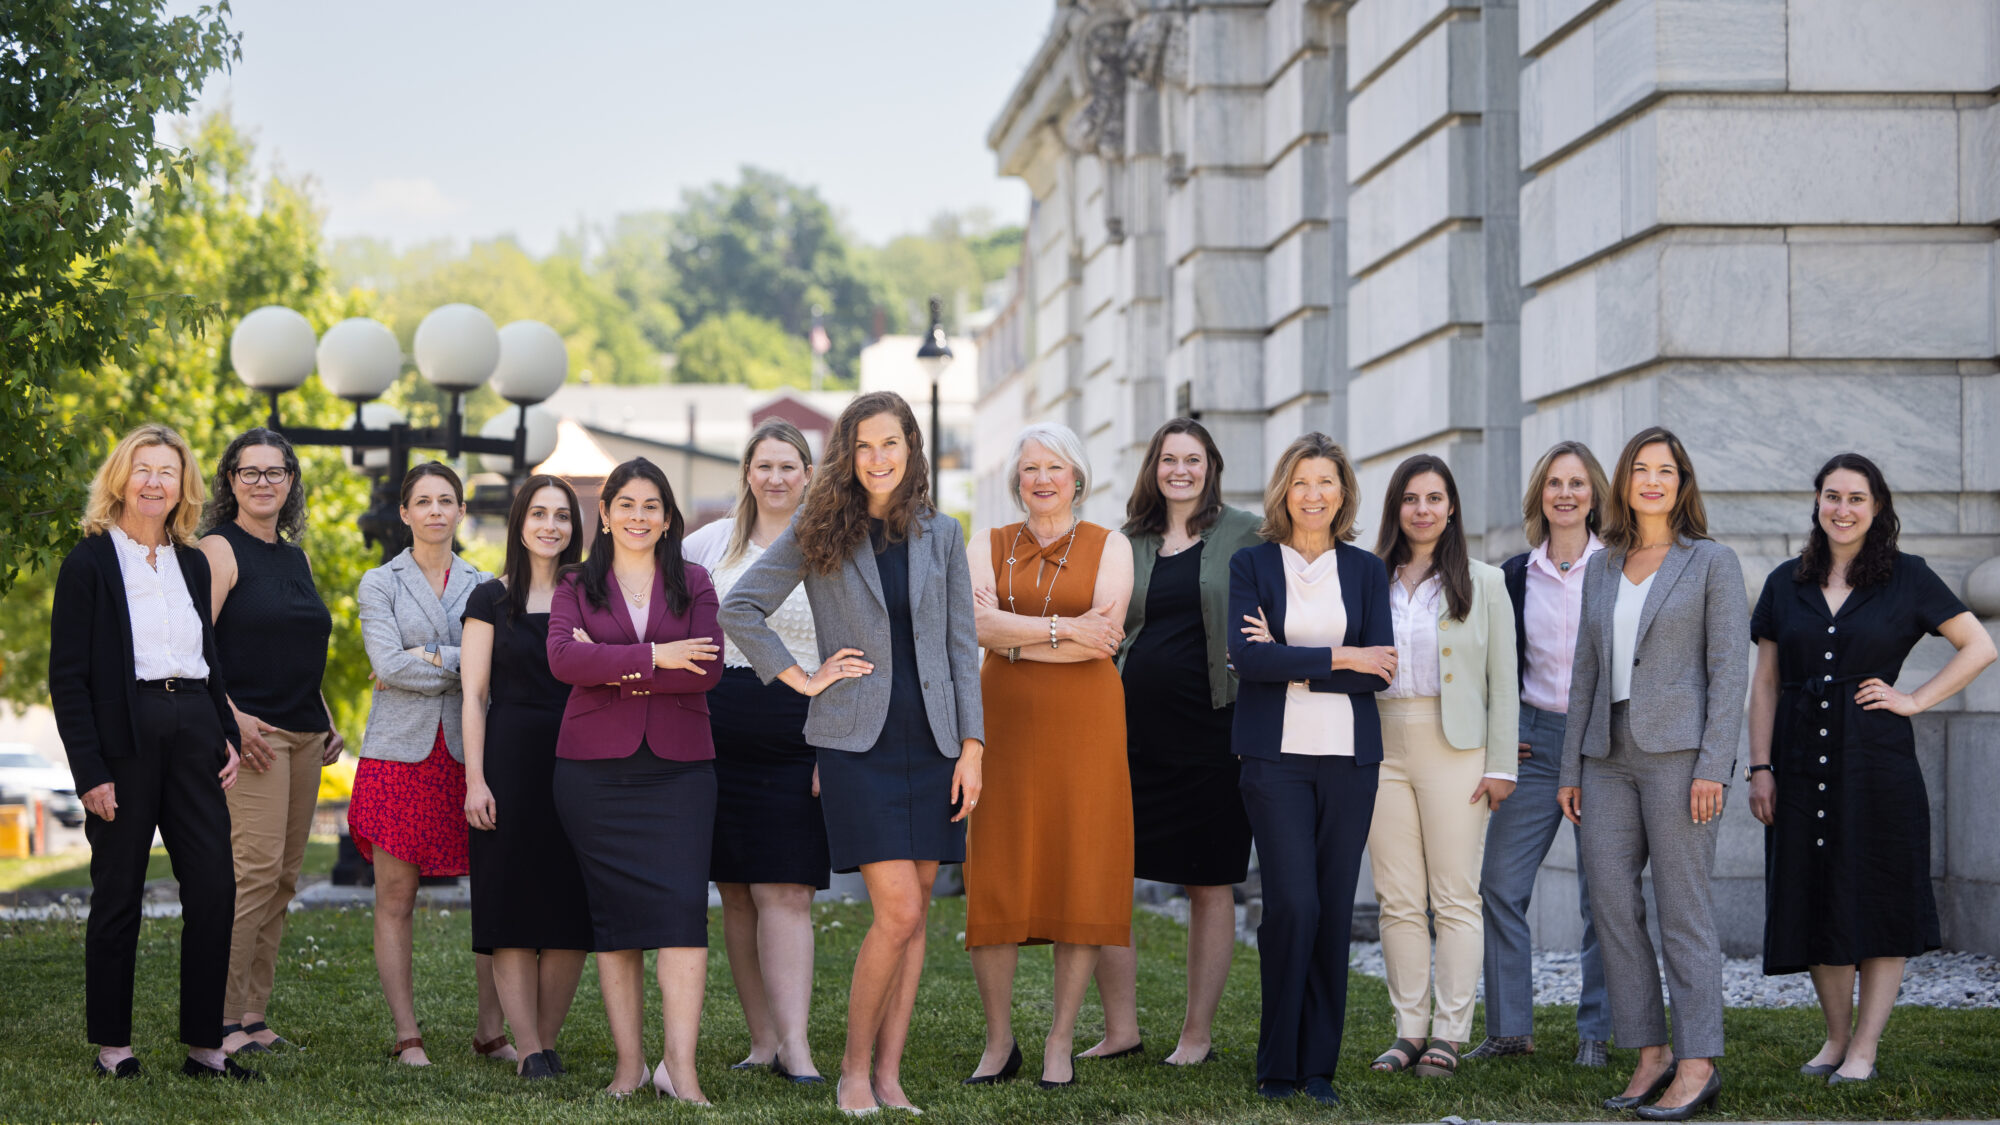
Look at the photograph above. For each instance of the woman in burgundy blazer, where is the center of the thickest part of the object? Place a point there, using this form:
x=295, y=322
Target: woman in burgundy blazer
x=633, y=631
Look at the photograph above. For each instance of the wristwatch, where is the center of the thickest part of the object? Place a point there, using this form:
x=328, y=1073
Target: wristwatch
x=431, y=651
x=1748, y=770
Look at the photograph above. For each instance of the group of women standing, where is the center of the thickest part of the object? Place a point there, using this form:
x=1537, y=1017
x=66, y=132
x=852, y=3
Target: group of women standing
x=797, y=689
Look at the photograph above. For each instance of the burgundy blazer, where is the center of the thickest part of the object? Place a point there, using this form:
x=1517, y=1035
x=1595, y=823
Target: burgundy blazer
x=617, y=698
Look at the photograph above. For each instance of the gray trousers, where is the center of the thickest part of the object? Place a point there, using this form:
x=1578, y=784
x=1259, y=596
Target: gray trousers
x=1635, y=809
x=1517, y=840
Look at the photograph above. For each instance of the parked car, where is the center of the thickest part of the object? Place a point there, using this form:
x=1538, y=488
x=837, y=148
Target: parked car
x=25, y=773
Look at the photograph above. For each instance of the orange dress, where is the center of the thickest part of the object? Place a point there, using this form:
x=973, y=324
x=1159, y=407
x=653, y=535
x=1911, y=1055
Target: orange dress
x=1048, y=854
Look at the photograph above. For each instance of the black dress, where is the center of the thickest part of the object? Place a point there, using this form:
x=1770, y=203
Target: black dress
x=892, y=801
x=768, y=826
x=1847, y=863
x=527, y=891
x=1188, y=824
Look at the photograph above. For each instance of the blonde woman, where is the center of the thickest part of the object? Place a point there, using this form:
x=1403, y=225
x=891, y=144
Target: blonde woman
x=151, y=739
x=770, y=838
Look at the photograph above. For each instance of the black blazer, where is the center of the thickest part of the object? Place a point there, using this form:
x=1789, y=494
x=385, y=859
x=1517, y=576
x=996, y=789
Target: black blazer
x=1264, y=670
x=1515, y=572
x=92, y=685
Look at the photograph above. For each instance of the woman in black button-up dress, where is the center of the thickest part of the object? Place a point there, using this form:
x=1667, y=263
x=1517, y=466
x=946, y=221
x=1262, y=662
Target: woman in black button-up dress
x=1834, y=772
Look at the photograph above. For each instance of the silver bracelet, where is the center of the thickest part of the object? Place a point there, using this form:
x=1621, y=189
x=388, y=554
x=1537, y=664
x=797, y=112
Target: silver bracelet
x=1014, y=654
x=1052, y=630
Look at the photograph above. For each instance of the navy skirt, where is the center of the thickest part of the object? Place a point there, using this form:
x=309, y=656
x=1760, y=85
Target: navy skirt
x=892, y=801
x=768, y=827
x=641, y=827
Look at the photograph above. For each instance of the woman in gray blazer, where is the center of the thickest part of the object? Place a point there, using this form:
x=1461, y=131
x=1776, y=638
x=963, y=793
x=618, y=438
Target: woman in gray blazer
x=895, y=713
x=1656, y=708
x=407, y=814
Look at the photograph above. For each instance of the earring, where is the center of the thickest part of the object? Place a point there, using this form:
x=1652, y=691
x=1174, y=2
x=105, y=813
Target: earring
x=607, y=529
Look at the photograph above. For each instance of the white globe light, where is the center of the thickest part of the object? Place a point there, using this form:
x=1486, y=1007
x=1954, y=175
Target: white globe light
x=272, y=349
x=375, y=416
x=359, y=359
x=456, y=347
x=534, y=364
x=541, y=437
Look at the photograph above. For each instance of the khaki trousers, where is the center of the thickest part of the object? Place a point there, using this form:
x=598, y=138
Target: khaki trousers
x=1425, y=848
x=270, y=814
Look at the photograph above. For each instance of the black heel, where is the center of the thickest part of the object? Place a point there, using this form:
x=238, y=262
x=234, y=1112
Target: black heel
x=1659, y=1086
x=1704, y=1100
x=1004, y=1074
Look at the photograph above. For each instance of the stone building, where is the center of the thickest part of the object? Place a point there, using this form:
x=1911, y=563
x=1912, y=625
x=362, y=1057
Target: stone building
x=1475, y=228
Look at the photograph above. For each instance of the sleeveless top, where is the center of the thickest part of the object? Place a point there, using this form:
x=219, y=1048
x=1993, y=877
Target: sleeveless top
x=271, y=637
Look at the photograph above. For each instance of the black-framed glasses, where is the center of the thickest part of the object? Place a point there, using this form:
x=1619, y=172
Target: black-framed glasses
x=250, y=476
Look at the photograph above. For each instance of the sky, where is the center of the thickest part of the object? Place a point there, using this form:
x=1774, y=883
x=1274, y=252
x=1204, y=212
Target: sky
x=471, y=119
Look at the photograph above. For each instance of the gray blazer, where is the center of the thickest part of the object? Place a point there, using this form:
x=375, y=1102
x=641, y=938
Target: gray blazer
x=848, y=612
x=1690, y=666
x=399, y=612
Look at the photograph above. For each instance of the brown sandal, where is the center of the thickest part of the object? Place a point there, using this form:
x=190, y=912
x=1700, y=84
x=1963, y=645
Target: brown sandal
x=1401, y=1056
x=490, y=1047
x=1445, y=1067
x=396, y=1052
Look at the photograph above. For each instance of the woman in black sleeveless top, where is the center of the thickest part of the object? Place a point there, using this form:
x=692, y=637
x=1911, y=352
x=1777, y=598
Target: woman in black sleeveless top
x=271, y=632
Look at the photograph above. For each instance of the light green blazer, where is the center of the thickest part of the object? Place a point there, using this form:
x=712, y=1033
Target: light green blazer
x=1479, y=677
x=1232, y=531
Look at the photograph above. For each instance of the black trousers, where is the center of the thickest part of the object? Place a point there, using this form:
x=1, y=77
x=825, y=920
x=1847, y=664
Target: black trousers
x=1309, y=815
x=170, y=784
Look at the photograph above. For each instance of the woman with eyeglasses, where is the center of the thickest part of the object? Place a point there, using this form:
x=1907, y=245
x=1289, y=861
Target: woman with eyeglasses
x=271, y=632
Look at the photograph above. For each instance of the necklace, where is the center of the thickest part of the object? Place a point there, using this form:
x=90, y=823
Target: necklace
x=1170, y=552
x=638, y=600
x=1014, y=548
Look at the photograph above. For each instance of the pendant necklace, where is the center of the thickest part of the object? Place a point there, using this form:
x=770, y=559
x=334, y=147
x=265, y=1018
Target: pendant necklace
x=1015, y=547
x=637, y=600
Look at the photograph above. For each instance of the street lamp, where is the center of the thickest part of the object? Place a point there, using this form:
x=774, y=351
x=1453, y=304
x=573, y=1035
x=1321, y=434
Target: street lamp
x=457, y=350
x=934, y=357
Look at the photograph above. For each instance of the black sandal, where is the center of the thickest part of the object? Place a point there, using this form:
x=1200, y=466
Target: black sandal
x=1438, y=1049
x=1392, y=1062
x=253, y=1028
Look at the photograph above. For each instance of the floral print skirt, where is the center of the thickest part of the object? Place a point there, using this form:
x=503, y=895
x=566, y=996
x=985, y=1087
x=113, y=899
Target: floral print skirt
x=415, y=811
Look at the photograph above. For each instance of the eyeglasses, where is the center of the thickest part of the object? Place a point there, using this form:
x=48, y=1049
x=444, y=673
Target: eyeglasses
x=250, y=476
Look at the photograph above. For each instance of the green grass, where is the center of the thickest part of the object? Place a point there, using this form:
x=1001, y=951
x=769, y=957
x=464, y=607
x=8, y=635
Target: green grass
x=1938, y=1063
x=71, y=870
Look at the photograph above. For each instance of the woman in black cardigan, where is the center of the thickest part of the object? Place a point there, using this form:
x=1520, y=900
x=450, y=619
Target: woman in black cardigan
x=150, y=738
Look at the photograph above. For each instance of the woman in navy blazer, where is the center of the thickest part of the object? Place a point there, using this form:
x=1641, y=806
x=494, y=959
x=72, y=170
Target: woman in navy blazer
x=633, y=630
x=1306, y=730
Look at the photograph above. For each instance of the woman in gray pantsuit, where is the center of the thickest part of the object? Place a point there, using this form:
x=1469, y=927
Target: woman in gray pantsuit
x=1655, y=707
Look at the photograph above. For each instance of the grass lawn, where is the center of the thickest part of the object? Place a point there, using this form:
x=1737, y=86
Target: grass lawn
x=71, y=869
x=1939, y=1063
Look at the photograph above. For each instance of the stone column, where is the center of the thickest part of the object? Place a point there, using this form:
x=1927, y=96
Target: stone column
x=1770, y=226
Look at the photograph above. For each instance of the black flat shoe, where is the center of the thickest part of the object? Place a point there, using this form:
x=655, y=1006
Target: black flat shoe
x=1004, y=1074
x=555, y=1062
x=1703, y=1100
x=1837, y=1078
x=1138, y=1048
x=1820, y=1070
x=126, y=1068
x=746, y=1064
x=228, y=1069
x=1322, y=1091
x=778, y=1069
x=1276, y=1091
x=1048, y=1085
x=536, y=1066
x=1209, y=1057
x=1659, y=1085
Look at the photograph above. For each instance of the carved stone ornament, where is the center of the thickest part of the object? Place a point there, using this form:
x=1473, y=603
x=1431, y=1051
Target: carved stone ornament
x=1100, y=126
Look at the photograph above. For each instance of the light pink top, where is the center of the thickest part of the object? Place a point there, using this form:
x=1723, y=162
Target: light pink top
x=1550, y=613
x=1316, y=722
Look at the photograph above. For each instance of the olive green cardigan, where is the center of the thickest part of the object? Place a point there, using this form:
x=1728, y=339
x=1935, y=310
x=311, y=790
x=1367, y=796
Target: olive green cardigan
x=1233, y=530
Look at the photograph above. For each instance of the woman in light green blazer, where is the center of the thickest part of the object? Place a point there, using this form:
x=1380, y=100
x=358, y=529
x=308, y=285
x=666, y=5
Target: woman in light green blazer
x=1188, y=823
x=1449, y=735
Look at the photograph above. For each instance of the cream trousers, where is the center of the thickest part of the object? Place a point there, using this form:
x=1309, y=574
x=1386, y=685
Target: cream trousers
x=270, y=814
x=1425, y=848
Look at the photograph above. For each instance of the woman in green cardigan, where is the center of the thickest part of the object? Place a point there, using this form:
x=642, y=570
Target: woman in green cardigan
x=1180, y=695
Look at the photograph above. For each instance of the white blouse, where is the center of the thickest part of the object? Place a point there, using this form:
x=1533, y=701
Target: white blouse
x=794, y=620
x=1416, y=621
x=166, y=627
x=1625, y=633
x=1316, y=722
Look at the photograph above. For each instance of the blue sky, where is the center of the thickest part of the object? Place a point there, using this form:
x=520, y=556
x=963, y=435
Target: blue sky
x=468, y=119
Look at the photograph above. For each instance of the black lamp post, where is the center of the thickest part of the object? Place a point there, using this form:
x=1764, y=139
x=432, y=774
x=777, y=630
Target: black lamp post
x=935, y=356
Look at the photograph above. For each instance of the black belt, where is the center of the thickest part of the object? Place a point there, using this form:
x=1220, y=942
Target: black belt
x=173, y=683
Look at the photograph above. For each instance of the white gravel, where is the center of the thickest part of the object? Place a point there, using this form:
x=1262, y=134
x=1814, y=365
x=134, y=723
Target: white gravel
x=1935, y=980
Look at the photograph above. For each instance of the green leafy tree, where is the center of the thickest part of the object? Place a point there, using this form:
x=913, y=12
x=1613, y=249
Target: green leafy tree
x=80, y=84
x=231, y=245
x=633, y=263
x=739, y=348
x=955, y=259
x=772, y=248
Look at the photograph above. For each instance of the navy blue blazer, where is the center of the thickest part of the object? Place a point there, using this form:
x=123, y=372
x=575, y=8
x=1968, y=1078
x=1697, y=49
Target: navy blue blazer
x=1265, y=669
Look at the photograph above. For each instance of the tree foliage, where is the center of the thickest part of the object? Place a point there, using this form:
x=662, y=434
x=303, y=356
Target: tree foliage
x=739, y=348
x=229, y=244
x=955, y=259
x=80, y=83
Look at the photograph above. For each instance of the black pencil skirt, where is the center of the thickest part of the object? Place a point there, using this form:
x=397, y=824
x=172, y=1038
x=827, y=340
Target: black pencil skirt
x=768, y=827
x=641, y=827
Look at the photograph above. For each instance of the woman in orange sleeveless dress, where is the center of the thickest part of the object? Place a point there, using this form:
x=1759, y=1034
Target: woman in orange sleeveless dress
x=1048, y=856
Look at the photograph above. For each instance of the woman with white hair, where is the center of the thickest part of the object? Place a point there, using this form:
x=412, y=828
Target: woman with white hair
x=1048, y=857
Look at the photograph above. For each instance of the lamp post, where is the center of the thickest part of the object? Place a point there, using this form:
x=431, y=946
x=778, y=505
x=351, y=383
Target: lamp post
x=456, y=349
x=934, y=356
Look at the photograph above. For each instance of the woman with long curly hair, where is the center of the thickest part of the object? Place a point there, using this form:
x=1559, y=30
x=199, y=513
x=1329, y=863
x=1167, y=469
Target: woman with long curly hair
x=895, y=715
